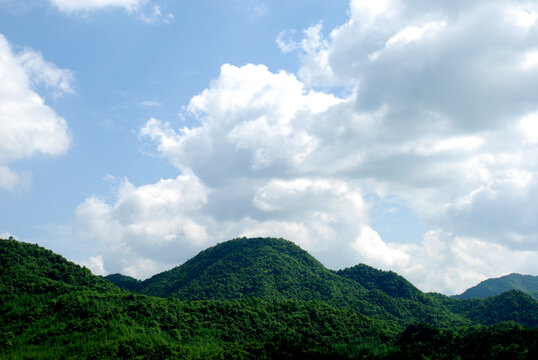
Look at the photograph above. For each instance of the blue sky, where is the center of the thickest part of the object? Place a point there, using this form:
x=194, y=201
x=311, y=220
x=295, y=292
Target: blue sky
x=401, y=134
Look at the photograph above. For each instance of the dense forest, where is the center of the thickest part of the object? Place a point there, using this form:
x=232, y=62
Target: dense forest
x=247, y=299
x=491, y=287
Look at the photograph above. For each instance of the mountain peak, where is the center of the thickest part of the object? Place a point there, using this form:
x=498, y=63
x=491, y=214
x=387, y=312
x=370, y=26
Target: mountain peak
x=247, y=267
x=494, y=286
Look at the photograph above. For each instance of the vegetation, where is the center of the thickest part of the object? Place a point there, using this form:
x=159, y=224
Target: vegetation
x=53, y=309
x=491, y=287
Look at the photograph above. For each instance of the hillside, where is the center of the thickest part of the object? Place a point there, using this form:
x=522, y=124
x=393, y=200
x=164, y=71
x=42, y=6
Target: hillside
x=268, y=268
x=387, y=281
x=512, y=305
x=124, y=281
x=260, y=267
x=51, y=308
x=490, y=287
x=28, y=268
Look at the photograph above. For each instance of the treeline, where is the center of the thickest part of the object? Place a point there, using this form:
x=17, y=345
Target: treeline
x=97, y=325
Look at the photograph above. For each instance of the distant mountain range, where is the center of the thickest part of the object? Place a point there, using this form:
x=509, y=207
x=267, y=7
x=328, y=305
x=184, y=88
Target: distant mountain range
x=491, y=287
x=260, y=298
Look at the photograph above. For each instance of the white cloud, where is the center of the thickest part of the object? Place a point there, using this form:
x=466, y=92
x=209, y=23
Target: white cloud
x=91, y=5
x=249, y=116
x=95, y=264
x=257, y=7
x=46, y=73
x=153, y=227
x=529, y=127
x=408, y=35
x=145, y=220
x=373, y=250
x=6, y=235
x=145, y=10
x=442, y=118
x=27, y=125
x=451, y=264
x=150, y=103
x=155, y=15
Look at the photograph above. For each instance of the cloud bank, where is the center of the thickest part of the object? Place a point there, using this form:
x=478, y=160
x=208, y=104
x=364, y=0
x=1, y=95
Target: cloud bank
x=440, y=113
x=28, y=126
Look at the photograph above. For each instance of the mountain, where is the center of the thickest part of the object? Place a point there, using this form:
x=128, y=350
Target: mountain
x=28, y=268
x=512, y=305
x=490, y=287
x=259, y=267
x=387, y=281
x=124, y=281
x=268, y=268
x=51, y=308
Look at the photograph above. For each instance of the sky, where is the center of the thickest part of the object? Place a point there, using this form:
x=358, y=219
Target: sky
x=399, y=134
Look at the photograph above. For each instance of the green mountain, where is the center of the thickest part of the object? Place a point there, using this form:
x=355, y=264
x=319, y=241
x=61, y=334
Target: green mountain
x=387, y=281
x=490, y=287
x=28, y=268
x=124, y=281
x=260, y=267
x=512, y=305
x=51, y=308
x=268, y=268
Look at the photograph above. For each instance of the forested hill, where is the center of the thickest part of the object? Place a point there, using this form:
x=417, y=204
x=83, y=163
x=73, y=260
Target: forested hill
x=269, y=268
x=490, y=287
x=260, y=267
x=386, y=281
x=53, y=309
x=28, y=268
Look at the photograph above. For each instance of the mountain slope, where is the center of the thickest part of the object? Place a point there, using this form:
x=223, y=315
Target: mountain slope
x=260, y=267
x=53, y=309
x=512, y=305
x=490, y=287
x=268, y=268
x=124, y=281
x=31, y=269
x=387, y=281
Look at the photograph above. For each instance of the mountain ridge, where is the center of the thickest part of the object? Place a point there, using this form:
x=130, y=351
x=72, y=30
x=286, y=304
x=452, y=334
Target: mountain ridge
x=51, y=308
x=269, y=268
x=495, y=286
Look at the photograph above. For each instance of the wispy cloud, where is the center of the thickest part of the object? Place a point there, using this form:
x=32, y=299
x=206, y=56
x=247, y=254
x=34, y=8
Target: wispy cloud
x=145, y=10
x=150, y=103
x=154, y=15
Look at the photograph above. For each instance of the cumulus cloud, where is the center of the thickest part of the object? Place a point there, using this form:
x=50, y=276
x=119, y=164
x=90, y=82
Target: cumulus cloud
x=441, y=115
x=27, y=125
x=145, y=221
x=248, y=125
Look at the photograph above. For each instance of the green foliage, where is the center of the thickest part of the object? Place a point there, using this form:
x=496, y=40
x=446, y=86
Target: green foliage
x=387, y=281
x=491, y=287
x=269, y=268
x=31, y=269
x=124, y=282
x=53, y=309
x=511, y=305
